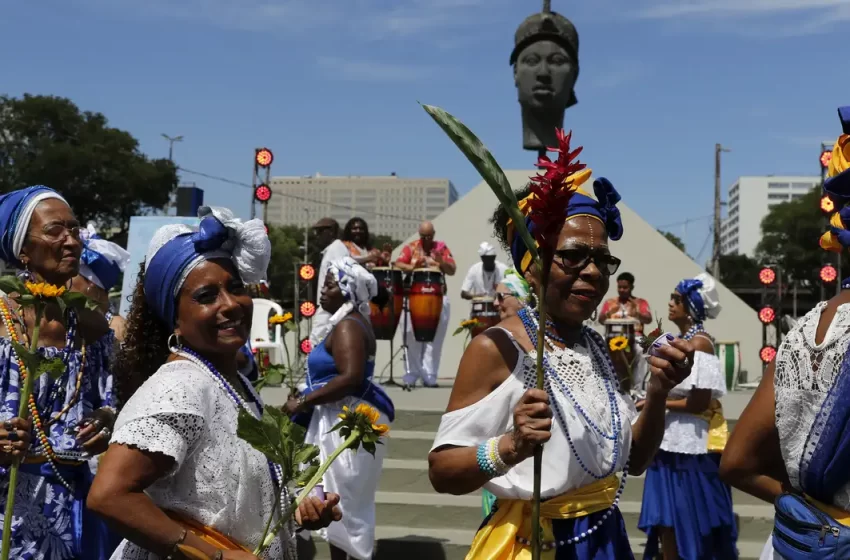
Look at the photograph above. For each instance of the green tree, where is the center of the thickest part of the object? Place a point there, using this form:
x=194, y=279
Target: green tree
x=287, y=253
x=674, y=239
x=739, y=271
x=99, y=169
x=790, y=233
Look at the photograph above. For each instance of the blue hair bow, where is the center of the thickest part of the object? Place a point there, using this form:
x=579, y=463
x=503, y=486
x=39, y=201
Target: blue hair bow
x=689, y=289
x=608, y=198
x=167, y=267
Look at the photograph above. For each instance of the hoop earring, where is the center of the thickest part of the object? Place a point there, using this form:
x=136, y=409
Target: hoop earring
x=174, y=344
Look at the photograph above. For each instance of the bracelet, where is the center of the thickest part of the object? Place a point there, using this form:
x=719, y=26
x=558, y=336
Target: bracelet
x=219, y=554
x=489, y=460
x=177, y=543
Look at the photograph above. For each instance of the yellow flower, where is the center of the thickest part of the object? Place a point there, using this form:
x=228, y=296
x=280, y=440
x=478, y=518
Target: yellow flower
x=280, y=319
x=469, y=324
x=44, y=290
x=618, y=343
x=380, y=429
x=371, y=415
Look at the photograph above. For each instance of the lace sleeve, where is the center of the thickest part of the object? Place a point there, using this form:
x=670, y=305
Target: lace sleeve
x=169, y=412
x=705, y=374
x=169, y=434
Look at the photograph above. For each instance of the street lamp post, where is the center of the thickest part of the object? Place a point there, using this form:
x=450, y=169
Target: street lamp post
x=171, y=141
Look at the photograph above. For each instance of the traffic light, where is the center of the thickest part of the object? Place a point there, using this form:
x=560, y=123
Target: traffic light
x=305, y=346
x=767, y=314
x=307, y=309
x=306, y=272
x=262, y=193
x=264, y=157
x=828, y=274
x=827, y=206
x=767, y=353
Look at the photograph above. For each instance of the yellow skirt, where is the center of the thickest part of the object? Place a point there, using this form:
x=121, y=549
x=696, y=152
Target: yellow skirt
x=509, y=528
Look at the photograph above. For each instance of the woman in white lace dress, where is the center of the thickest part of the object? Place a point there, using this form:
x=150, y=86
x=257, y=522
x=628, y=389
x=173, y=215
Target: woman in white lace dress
x=176, y=472
x=792, y=437
x=495, y=419
x=684, y=501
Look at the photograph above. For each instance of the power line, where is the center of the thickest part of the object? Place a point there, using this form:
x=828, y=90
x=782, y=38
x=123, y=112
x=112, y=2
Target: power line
x=301, y=198
x=705, y=244
x=685, y=222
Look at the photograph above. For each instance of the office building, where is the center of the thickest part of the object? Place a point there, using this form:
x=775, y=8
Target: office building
x=391, y=205
x=748, y=201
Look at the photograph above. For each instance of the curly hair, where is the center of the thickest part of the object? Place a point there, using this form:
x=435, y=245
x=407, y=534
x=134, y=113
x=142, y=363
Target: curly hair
x=499, y=219
x=145, y=346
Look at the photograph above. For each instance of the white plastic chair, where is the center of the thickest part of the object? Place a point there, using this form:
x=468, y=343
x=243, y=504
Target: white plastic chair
x=263, y=308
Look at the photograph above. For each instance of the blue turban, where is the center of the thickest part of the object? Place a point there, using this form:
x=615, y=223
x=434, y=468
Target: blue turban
x=16, y=210
x=700, y=293
x=176, y=250
x=102, y=262
x=604, y=209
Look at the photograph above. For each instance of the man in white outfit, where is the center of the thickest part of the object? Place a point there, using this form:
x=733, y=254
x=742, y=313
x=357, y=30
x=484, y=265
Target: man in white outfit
x=483, y=277
x=423, y=358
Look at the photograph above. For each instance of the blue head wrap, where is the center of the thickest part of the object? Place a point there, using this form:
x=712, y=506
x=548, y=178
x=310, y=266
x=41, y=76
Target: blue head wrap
x=176, y=250
x=16, y=210
x=102, y=262
x=604, y=209
x=700, y=293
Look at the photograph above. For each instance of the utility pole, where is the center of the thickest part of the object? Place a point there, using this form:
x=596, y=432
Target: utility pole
x=171, y=141
x=715, y=260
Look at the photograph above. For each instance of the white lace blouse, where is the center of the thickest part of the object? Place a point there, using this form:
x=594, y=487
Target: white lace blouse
x=218, y=479
x=805, y=373
x=583, y=375
x=688, y=433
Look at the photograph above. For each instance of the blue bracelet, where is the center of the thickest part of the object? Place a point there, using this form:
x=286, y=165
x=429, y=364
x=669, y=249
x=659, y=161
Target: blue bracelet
x=484, y=463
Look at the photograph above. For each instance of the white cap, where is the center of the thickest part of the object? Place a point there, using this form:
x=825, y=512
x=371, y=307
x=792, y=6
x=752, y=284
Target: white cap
x=486, y=250
x=708, y=293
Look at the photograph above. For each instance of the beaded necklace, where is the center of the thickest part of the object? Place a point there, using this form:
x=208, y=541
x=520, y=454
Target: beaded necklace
x=44, y=445
x=530, y=322
x=235, y=397
x=695, y=329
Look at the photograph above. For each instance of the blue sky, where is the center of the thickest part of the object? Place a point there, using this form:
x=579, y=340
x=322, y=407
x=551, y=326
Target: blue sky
x=332, y=86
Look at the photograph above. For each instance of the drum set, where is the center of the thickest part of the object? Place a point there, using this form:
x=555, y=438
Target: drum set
x=484, y=311
x=420, y=293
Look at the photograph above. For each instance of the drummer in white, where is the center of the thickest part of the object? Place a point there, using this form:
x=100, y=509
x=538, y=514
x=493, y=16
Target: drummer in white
x=483, y=277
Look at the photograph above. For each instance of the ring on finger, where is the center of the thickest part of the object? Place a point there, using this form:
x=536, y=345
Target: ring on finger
x=7, y=448
x=683, y=364
x=106, y=432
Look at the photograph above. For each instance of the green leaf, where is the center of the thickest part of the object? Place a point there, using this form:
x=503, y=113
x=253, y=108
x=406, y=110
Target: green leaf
x=259, y=383
x=484, y=162
x=53, y=368
x=337, y=426
x=273, y=378
x=61, y=303
x=290, y=326
x=27, y=299
x=458, y=331
x=76, y=300
x=369, y=448
x=264, y=435
x=12, y=285
x=304, y=476
x=31, y=361
x=306, y=454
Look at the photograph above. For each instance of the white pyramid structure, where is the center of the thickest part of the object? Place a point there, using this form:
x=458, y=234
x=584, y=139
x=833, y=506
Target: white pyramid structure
x=657, y=265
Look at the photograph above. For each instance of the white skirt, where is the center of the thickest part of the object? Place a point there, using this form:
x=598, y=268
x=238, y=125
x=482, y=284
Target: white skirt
x=354, y=476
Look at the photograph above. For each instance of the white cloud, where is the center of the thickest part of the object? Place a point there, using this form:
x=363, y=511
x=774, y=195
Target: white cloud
x=372, y=71
x=667, y=10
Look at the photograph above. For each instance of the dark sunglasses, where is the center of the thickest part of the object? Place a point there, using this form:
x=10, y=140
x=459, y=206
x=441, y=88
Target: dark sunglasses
x=501, y=296
x=578, y=259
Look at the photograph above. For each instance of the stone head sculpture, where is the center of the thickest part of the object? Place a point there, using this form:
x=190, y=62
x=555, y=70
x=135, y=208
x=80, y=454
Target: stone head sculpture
x=545, y=61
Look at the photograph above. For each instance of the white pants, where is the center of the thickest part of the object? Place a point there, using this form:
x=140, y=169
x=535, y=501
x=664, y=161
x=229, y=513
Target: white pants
x=423, y=358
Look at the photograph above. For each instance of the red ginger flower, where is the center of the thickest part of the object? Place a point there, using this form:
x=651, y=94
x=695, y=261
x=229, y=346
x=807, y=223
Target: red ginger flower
x=552, y=190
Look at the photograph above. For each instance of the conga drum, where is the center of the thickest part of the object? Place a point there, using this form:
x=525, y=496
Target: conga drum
x=425, y=301
x=385, y=319
x=622, y=359
x=485, y=313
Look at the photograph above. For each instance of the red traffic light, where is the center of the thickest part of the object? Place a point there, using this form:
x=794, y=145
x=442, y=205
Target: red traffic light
x=828, y=274
x=307, y=309
x=306, y=346
x=767, y=276
x=767, y=314
x=825, y=158
x=767, y=354
x=827, y=206
x=262, y=193
x=306, y=272
x=264, y=157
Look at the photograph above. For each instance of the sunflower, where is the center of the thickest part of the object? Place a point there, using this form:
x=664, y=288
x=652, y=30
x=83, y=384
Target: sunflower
x=364, y=418
x=44, y=290
x=618, y=344
x=280, y=319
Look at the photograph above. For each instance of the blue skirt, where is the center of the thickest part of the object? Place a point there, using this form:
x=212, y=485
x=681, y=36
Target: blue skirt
x=609, y=542
x=685, y=492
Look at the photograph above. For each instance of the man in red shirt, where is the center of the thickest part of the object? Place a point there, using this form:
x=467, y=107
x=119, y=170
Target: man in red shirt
x=626, y=305
x=423, y=358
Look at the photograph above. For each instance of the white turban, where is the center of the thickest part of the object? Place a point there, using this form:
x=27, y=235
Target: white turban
x=486, y=250
x=357, y=284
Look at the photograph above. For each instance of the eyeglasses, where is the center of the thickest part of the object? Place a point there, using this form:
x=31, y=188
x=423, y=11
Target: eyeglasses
x=578, y=259
x=59, y=232
x=501, y=296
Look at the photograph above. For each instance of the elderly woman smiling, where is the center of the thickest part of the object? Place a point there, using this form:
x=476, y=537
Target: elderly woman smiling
x=176, y=472
x=71, y=415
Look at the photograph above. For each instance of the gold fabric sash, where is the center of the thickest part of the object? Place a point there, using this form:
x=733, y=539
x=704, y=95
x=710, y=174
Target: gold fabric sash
x=497, y=540
x=718, y=429
x=207, y=534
